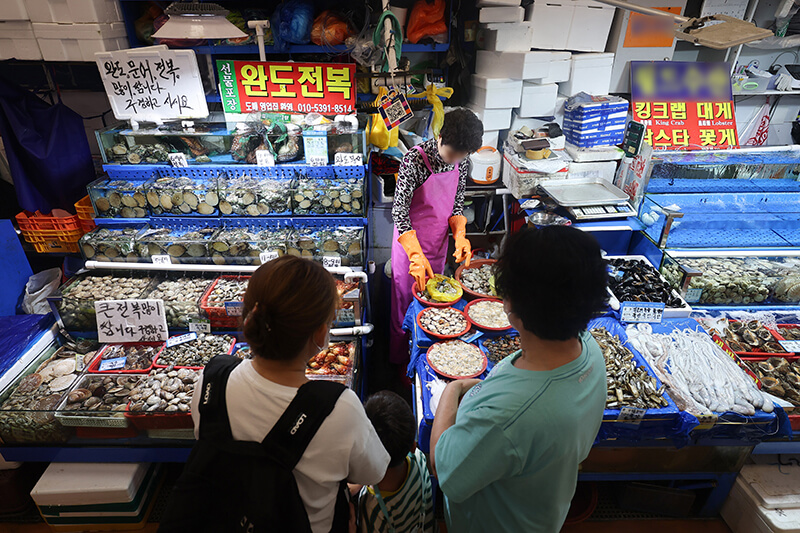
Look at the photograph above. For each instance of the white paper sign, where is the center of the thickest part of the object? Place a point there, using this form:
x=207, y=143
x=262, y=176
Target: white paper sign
x=634, y=312
x=131, y=321
x=317, y=160
x=152, y=83
x=113, y=364
x=234, y=308
x=178, y=160
x=791, y=346
x=266, y=257
x=631, y=415
x=181, y=339
x=264, y=158
x=331, y=262
x=161, y=260
x=342, y=159
x=316, y=149
x=200, y=325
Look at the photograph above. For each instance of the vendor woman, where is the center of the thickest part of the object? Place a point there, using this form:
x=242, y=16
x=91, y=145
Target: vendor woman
x=429, y=198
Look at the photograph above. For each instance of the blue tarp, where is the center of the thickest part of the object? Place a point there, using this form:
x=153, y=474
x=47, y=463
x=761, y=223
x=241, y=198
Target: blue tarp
x=18, y=333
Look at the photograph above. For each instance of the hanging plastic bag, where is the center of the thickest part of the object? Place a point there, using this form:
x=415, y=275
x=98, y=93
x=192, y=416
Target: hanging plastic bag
x=38, y=288
x=427, y=20
x=434, y=96
x=330, y=29
x=291, y=23
x=379, y=135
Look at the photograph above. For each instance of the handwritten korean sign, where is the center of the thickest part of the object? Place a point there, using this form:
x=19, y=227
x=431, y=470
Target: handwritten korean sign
x=685, y=105
x=131, y=321
x=632, y=312
x=248, y=86
x=153, y=83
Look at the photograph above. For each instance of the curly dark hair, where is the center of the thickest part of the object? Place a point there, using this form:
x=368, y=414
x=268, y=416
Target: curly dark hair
x=462, y=130
x=555, y=279
x=394, y=423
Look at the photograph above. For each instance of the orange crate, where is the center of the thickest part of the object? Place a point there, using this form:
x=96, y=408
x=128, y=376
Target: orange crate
x=87, y=225
x=58, y=220
x=84, y=208
x=56, y=246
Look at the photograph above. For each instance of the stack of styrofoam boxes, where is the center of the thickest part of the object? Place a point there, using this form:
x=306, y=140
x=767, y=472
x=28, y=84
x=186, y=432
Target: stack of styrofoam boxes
x=16, y=32
x=73, y=30
x=591, y=121
x=765, y=498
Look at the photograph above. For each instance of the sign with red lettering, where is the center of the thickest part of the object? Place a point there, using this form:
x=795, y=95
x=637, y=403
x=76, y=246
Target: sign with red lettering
x=685, y=105
x=249, y=86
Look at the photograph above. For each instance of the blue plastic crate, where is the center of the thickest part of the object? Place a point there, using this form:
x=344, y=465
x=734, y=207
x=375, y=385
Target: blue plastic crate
x=330, y=195
x=195, y=250
x=198, y=190
x=256, y=192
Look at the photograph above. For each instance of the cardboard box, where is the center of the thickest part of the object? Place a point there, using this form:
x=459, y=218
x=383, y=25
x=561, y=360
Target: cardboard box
x=495, y=93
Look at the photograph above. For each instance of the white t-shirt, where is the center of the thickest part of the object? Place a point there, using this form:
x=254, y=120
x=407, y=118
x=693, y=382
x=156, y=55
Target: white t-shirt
x=345, y=447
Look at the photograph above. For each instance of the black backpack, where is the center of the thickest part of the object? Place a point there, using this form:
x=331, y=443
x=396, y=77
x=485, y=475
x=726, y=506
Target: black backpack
x=230, y=486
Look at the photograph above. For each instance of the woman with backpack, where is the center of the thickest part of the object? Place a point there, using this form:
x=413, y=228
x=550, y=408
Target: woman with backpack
x=274, y=448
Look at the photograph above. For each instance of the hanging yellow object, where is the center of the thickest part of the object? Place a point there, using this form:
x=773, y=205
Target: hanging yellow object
x=379, y=135
x=435, y=97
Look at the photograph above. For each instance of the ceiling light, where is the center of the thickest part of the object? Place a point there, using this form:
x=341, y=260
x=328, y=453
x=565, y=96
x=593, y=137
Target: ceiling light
x=196, y=20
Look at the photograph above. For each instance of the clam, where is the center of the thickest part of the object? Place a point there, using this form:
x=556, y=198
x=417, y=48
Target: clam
x=773, y=386
x=78, y=395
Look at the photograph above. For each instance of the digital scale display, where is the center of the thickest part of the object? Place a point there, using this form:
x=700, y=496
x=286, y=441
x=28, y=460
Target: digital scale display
x=594, y=212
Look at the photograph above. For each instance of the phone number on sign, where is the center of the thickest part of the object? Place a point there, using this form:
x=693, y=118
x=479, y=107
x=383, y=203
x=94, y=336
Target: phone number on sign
x=339, y=109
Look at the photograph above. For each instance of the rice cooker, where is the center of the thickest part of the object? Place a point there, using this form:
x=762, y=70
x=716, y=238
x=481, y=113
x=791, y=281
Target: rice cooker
x=485, y=166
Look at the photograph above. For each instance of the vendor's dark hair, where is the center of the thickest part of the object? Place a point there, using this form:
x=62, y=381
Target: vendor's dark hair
x=462, y=130
x=393, y=421
x=286, y=301
x=555, y=279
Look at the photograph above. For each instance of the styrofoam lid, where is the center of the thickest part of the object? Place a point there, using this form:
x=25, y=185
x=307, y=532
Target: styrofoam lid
x=89, y=483
x=495, y=83
x=529, y=57
x=16, y=29
x=774, y=486
x=503, y=26
x=591, y=58
x=771, y=520
x=46, y=30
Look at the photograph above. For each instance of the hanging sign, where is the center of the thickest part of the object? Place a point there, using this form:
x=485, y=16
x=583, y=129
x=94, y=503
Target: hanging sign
x=152, y=84
x=685, y=105
x=633, y=312
x=131, y=321
x=394, y=109
x=248, y=86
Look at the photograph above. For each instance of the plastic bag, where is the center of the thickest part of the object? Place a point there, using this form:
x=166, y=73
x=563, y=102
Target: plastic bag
x=379, y=135
x=38, y=288
x=329, y=29
x=291, y=23
x=427, y=20
x=444, y=289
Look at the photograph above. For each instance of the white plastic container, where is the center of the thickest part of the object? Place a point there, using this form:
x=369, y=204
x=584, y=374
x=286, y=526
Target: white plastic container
x=559, y=71
x=17, y=40
x=495, y=93
x=13, y=10
x=501, y=14
x=517, y=65
x=538, y=100
x=71, y=11
x=764, y=499
x=493, y=119
x=590, y=73
x=580, y=25
x=491, y=138
x=510, y=37
x=88, y=483
x=485, y=165
x=79, y=42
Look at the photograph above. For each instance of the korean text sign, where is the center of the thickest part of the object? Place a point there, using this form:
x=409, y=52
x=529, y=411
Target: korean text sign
x=248, y=86
x=131, y=321
x=685, y=105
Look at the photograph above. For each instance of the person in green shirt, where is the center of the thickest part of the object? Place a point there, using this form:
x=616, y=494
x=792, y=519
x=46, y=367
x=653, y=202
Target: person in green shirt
x=507, y=457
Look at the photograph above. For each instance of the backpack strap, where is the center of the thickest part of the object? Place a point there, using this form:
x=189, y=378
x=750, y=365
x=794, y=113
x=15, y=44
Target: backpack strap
x=292, y=433
x=214, y=422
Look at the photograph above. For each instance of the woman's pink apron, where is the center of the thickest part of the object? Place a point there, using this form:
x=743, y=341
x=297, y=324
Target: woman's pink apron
x=431, y=208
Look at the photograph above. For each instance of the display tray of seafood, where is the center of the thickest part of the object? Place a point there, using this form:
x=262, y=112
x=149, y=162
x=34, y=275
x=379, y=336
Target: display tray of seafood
x=487, y=314
x=222, y=301
x=129, y=358
x=456, y=359
x=328, y=196
x=163, y=399
x=73, y=304
x=118, y=198
x=779, y=377
x=790, y=332
x=113, y=242
x=184, y=243
x=29, y=402
x=634, y=279
x=255, y=196
x=336, y=363
x=628, y=381
x=476, y=279
x=338, y=243
x=181, y=295
x=98, y=401
x=752, y=339
x=498, y=348
x=244, y=244
x=443, y=322
x=195, y=354
x=183, y=196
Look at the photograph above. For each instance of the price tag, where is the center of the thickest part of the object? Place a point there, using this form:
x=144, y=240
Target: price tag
x=79, y=363
x=317, y=160
x=264, y=158
x=315, y=147
x=199, y=325
x=181, y=339
x=266, y=257
x=693, y=295
x=631, y=415
x=641, y=312
x=161, y=260
x=234, y=308
x=131, y=321
x=790, y=346
x=331, y=262
x=347, y=159
x=113, y=364
x=178, y=160
x=471, y=337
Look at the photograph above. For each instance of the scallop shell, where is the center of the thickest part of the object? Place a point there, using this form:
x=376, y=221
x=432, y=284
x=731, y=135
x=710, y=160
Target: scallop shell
x=61, y=383
x=64, y=367
x=29, y=383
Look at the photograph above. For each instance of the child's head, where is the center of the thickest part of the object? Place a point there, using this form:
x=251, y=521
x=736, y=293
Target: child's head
x=461, y=134
x=394, y=422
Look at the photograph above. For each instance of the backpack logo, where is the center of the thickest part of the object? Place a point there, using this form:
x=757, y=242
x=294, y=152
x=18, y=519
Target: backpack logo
x=300, y=420
x=207, y=394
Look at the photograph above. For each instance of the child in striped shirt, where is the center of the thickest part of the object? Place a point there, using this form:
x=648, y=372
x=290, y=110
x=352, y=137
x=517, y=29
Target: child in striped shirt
x=403, y=501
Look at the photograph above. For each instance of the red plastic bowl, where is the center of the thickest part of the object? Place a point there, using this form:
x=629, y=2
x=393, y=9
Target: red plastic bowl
x=438, y=336
x=433, y=366
x=431, y=304
x=475, y=263
x=479, y=326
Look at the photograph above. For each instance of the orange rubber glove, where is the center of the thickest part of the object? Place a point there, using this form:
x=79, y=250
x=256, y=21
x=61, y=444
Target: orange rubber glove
x=463, y=251
x=419, y=268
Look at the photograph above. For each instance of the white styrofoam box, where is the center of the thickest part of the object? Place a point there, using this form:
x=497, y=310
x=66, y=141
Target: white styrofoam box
x=493, y=119
x=559, y=71
x=595, y=153
x=18, y=41
x=772, y=487
x=491, y=138
x=89, y=483
x=538, y=100
x=79, y=42
x=522, y=182
x=13, y=10
x=580, y=25
x=589, y=73
x=495, y=93
x=492, y=3
x=501, y=14
x=506, y=37
x=517, y=65
x=518, y=122
x=743, y=514
x=604, y=170
x=66, y=11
